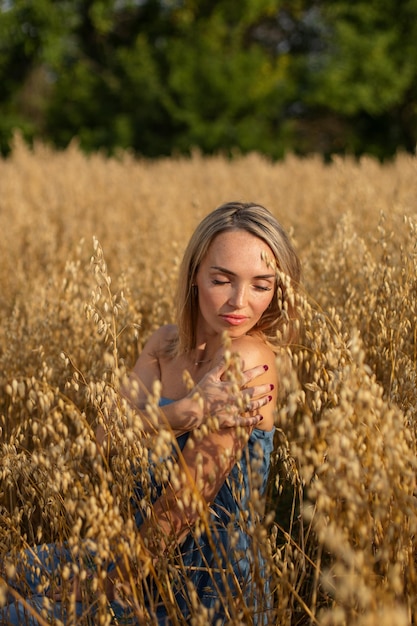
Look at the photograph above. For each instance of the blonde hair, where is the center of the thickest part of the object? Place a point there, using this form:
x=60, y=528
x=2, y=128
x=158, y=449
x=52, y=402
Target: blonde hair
x=277, y=324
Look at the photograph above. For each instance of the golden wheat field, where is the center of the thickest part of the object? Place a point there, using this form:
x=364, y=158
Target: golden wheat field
x=89, y=255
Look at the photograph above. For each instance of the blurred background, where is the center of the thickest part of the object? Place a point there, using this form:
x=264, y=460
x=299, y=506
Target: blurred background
x=167, y=77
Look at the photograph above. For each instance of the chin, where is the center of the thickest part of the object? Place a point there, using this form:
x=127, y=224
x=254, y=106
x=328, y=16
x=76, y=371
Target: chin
x=235, y=333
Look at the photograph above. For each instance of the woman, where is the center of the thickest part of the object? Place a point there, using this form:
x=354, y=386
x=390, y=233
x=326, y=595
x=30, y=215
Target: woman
x=234, y=297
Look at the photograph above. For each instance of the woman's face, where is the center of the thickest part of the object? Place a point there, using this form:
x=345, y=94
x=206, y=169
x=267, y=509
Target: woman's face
x=235, y=283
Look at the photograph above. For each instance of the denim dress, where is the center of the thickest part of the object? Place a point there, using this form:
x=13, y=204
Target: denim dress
x=225, y=563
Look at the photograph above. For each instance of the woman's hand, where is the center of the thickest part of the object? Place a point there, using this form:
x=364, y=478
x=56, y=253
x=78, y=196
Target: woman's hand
x=233, y=403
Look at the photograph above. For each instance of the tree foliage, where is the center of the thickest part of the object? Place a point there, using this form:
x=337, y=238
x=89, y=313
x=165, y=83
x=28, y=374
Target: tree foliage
x=165, y=76
x=368, y=74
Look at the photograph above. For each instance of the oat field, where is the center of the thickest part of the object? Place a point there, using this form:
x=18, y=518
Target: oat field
x=89, y=254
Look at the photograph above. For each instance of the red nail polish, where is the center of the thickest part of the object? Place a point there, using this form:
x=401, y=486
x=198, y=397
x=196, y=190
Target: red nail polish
x=271, y=386
x=261, y=418
x=266, y=368
x=269, y=398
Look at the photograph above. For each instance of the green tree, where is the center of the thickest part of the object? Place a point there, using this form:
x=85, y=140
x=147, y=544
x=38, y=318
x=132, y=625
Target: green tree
x=154, y=76
x=110, y=92
x=224, y=88
x=32, y=43
x=365, y=80
x=168, y=77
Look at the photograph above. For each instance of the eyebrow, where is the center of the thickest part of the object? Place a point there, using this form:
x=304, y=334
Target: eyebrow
x=223, y=270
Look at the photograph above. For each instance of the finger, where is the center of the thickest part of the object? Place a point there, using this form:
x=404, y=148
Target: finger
x=253, y=373
x=250, y=421
x=259, y=391
x=254, y=405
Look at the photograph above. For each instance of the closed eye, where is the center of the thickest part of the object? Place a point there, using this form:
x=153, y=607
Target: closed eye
x=262, y=288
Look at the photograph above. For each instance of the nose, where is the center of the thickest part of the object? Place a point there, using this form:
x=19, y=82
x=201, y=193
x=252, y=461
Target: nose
x=238, y=297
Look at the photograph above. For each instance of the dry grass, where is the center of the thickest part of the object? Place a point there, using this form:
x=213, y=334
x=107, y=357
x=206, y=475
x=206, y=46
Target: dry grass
x=89, y=253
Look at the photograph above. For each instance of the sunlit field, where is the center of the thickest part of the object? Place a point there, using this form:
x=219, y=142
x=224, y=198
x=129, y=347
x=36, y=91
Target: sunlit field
x=89, y=249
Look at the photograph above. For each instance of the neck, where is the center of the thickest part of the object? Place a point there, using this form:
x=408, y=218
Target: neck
x=203, y=353
x=202, y=361
x=201, y=356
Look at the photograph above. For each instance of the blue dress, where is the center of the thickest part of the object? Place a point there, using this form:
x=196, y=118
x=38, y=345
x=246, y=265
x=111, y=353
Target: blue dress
x=225, y=564
x=218, y=566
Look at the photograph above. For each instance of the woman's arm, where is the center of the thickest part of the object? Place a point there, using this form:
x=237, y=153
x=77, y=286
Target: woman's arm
x=207, y=460
x=204, y=464
x=213, y=395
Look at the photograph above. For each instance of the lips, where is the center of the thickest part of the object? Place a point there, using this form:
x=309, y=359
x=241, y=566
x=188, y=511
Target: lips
x=234, y=320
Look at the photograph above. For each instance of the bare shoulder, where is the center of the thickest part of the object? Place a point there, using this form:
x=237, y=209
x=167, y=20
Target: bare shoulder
x=168, y=331
x=161, y=337
x=253, y=351
x=147, y=368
